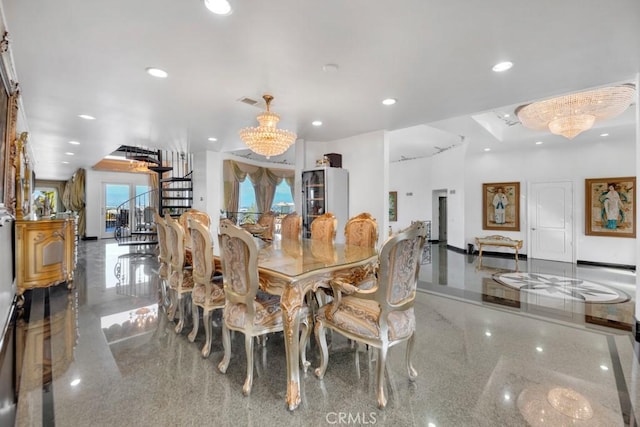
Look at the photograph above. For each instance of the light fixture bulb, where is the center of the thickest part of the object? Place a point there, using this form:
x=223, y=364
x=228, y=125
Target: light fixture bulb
x=157, y=72
x=219, y=7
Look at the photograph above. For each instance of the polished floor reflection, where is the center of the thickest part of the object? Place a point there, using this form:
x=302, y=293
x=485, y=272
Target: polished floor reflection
x=541, y=344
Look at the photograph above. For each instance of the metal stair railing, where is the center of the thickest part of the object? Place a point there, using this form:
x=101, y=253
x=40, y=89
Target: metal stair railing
x=134, y=223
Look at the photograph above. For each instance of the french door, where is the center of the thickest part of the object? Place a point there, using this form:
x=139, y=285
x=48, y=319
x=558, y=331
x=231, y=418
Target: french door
x=120, y=205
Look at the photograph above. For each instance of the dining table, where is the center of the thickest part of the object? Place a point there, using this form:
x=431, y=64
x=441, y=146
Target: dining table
x=291, y=268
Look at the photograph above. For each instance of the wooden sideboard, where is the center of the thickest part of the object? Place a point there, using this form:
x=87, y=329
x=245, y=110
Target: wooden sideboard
x=45, y=253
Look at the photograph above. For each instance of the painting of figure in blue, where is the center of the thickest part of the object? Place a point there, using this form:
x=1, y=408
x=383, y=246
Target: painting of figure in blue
x=610, y=207
x=612, y=204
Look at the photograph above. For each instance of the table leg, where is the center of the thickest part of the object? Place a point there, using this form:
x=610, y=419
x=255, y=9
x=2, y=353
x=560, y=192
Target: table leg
x=291, y=301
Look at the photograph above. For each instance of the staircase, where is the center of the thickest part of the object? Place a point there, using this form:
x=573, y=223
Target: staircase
x=174, y=196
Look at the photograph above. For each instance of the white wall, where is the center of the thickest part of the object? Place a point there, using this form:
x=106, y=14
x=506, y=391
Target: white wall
x=572, y=162
x=94, y=196
x=421, y=177
x=366, y=157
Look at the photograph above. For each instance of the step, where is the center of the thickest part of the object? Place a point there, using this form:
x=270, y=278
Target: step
x=177, y=189
x=161, y=169
x=137, y=150
x=138, y=242
x=177, y=198
x=143, y=233
x=176, y=207
x=175, y=179
x=147, y=159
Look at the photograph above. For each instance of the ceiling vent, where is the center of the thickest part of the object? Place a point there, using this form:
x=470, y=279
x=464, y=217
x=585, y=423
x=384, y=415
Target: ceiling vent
x=254, y=103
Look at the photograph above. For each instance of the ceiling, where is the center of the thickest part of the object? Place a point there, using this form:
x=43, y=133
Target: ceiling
x=84, y=57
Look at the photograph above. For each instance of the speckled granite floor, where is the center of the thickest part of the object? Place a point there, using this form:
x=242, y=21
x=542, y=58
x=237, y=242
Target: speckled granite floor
x=492, y=349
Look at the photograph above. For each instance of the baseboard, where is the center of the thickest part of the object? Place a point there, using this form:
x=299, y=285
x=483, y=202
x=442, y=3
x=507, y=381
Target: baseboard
x=606, y=264
x=636, y=329
x=502, y=254
x=455, y=249
x=89, y=238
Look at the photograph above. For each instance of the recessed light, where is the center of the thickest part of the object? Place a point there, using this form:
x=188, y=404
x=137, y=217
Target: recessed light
x=539, y=142
x=74, y=142
x=69, y=153
x=506, y=116
x=157, y=72
x=502, y=66
x=487, y=149
x=389, y=101
x=219, y=7
x=604, y=367
x=507, y=397
x=488, y=333
x=539, y=349
x=330, y=68
x=212, y=139
x=604, y=134
x=65, y=163
x=316, y=123
x=75, y=382
x=86, y=117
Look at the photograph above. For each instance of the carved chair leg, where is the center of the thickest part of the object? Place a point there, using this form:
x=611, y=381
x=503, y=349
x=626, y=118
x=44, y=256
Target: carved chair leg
x=413, y=374
x=171, y=311
x=306, y=332
x=195, y=315
x=181, y=313
x=206, y=319
x=321, y=340
x=226, y=344
x=248, y=382
x=382, y=361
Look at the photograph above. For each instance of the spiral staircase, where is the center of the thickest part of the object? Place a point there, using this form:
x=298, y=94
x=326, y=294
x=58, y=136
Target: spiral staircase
x=134, y=223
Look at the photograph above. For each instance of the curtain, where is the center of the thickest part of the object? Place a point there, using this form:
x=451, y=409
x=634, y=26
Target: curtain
x=77, y=199
x=154, y=196
x=267, y=189
x=256, y=179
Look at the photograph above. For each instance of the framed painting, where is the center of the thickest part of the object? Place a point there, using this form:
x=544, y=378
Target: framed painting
x=501, y=206
x=610, y=207
x=393, y=206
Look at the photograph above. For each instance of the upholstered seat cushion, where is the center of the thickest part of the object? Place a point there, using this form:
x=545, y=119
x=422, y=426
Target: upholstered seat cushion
x=214, y=297
x=187, y=280
x=360, y=317
x=267, y=312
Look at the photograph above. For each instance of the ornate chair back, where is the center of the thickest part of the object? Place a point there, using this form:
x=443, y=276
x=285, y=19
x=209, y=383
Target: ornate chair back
x=202, y=252
x=239, y=258
x=291, y=227
x=268, y=220
x=324, y=227
x=201, y=216
x=399, y=262
x=361, y=230
x=163, y=246
x=175, y=238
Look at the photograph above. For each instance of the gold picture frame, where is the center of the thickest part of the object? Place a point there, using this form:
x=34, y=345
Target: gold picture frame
x=501, y=206
x=610, y=207
x=393, y=206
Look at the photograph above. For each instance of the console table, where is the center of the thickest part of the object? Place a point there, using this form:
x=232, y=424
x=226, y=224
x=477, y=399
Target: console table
x=45, y=253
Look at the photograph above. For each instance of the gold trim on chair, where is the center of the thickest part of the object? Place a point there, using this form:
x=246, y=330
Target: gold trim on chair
x=380, y=316
x=180, y=279
x=207, y=293
x=247, y=309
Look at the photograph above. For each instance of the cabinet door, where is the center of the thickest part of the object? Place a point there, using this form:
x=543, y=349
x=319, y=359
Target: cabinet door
x=314, y=198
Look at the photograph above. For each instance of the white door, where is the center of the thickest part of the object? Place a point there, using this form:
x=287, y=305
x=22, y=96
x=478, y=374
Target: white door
x=551, y=221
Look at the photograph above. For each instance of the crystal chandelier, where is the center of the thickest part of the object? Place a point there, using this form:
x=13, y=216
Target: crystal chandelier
x=267, y=139
x=572, y=114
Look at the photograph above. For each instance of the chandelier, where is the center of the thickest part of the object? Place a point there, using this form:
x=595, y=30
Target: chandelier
x=267, y=139
x=570, y=115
